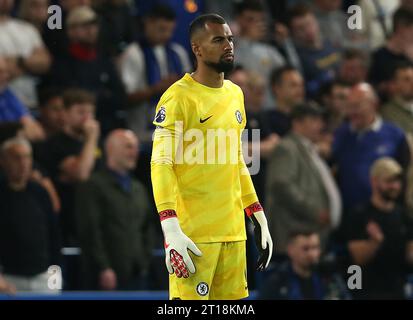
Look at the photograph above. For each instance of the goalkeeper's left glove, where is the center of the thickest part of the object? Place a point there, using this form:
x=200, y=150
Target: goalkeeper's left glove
x=262, y=235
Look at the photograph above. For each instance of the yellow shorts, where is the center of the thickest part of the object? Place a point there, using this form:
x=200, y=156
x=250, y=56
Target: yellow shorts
x=221, y=274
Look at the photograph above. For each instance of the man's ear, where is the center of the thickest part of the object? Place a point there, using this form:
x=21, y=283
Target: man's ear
x=196, y=49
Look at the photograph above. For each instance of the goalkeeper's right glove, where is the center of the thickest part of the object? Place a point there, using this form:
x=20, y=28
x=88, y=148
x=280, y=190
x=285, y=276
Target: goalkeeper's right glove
x=177, y=245
x=262, y=234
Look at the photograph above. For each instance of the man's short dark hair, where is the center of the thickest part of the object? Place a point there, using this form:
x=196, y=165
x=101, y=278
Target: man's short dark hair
x=74, y=96
x=48, y=93
x=305, y=110
x=199, y=22
x=276, y=76
x=402, y=17
x=297, y=11
x=354, y=53
x=292, y=235
x=398, y=66
x=327, y=89
x=161, y=11
x=248, y=5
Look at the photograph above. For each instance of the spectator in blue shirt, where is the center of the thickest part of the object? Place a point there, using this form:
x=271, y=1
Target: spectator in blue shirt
x=361, y=140
x=12, y=110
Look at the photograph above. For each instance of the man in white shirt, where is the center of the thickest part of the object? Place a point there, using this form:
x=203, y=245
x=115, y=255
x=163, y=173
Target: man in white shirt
x=149, y=66
x=22, y=44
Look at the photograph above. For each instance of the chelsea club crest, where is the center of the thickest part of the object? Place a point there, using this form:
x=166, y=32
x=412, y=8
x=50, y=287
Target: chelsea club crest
x=238, y=116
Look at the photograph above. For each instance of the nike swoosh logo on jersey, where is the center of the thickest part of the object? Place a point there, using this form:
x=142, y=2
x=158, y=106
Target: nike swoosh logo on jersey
x=203, y=120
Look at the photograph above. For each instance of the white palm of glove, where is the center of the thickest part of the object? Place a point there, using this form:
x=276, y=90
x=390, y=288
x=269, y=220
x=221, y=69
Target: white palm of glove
x=177, y=244
x=262, y=239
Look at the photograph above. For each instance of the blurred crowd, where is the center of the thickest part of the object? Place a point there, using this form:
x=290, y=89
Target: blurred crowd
x=330, y=91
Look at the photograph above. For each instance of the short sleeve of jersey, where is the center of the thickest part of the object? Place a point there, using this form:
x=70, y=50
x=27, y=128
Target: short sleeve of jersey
x=169, y=112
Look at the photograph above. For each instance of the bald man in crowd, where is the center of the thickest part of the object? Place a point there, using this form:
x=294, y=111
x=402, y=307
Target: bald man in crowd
x=113, y=216
x=29, y=233
x=361, y=140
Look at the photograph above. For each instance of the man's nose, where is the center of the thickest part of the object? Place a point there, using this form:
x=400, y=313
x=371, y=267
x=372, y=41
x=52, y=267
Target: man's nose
x=228, y=46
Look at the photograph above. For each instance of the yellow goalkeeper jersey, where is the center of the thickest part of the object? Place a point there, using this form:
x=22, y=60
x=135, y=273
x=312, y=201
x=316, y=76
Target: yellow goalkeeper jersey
x=197, y=167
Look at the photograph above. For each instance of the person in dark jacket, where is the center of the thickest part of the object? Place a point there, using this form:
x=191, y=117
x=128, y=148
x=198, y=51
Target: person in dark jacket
x=302, y=276
x=114, y=220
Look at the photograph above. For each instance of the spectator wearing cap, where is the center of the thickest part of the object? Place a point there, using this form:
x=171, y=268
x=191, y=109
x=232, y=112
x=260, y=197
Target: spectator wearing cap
x=114, y=218
x=13, y=110
x=312, y=202
x=361, y=140
x=379, y=235
x=27, y=57
x=57, y=40
x=84, y=66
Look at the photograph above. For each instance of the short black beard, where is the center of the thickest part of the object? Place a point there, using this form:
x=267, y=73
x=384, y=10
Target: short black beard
x=388, y=196
x=221, y=66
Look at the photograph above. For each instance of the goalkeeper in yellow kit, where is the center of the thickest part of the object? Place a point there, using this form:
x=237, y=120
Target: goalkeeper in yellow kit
x=200, y=181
